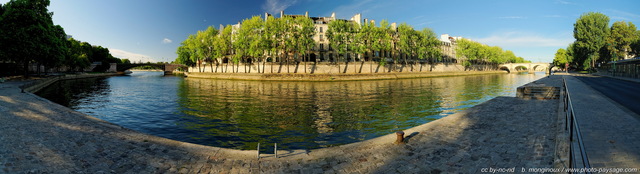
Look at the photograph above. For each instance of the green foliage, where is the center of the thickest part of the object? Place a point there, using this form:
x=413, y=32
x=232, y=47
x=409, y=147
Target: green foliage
x=340, y=35
x=223, y=42
x=28, y=33
x=249, y=39
x=429, y=45
x=618, y=42
x=29, y=36
x=590, y=32
x=126, y=61
x=561, y=58
x=635, y=45
x=477, y=52
x=291, y=38
x=597, y=43
x=205, y=40
x=185, y=53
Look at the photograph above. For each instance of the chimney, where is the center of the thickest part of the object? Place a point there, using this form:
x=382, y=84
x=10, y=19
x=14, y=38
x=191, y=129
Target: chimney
x=306, y=14
x=394, y=26
x=333, y=15
x=282, y=14
x=357, y=18
x=366, y=21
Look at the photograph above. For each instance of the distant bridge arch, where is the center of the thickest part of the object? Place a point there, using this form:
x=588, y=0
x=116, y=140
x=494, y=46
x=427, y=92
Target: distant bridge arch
x=531, y=67
x=167, y=68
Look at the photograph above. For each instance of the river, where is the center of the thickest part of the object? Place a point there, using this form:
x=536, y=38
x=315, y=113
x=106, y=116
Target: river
x=296, y=115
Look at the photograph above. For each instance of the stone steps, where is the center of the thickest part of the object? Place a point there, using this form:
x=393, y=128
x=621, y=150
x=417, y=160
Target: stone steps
x=539, y=92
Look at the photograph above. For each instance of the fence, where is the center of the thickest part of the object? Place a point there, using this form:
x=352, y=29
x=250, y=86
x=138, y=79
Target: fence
x=571, y=123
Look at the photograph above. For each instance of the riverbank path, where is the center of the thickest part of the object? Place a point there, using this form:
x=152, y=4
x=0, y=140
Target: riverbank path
x=611, y=132
x=505, y=134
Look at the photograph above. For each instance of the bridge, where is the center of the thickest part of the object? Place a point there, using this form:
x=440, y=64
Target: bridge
x=167, y=68
x=531, y=67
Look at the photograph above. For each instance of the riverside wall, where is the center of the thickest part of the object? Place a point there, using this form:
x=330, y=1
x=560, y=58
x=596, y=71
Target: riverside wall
x=37, y=85
x=335, y=68
x=325, y=71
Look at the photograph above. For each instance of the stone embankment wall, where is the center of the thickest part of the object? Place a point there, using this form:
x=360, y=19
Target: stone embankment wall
x=333, y=77
x=335, y=68
x=324, y=71
x=37, y=85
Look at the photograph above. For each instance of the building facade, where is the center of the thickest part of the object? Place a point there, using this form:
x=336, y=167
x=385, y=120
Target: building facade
x=323, y=51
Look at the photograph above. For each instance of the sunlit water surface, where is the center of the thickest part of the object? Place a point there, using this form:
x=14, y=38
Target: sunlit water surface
x=296, y=115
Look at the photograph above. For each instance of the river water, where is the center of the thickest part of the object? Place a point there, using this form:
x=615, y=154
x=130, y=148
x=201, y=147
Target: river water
x=296, y=115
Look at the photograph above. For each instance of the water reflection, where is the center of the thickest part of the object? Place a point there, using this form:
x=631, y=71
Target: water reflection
x=296, y=115
x=319, y=114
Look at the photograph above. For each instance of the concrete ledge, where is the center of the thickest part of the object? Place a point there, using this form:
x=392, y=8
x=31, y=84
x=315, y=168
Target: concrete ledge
x=42, y=83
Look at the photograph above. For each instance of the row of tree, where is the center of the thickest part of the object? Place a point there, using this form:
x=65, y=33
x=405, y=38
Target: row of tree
x=598, y=43
x=475, y=52
x=290, y=39
x=29, y=36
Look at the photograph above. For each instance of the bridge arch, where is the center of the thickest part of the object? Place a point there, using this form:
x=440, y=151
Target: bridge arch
x=167, y=68
x=505, y=68
x=521, y=68
x=531, y=67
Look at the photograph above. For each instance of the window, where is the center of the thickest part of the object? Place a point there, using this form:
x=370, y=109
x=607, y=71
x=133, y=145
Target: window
x=320, y=29
x=321, y=37
x=321, y=46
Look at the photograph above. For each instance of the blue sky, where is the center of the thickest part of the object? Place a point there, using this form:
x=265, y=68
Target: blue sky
x=151, y=30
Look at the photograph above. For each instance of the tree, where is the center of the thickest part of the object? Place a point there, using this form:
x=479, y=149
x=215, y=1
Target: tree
x=27, y=34
x=618, y=42
x=57, y=47
x=468, y=49
x=340, y=34
x=590, y=31
x=76, y=57
x=429, y=45
x=385, y=35
x=204, y=45
x=303, y=35
x=635, y=45
x=184, y=55
x=248, y=42
x=561, y=58
x=223, y=43
x=126, y=61
x=191, y=45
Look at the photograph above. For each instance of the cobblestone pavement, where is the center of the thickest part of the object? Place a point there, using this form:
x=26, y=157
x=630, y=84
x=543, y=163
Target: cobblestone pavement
x=611, y=134
x=39, y=136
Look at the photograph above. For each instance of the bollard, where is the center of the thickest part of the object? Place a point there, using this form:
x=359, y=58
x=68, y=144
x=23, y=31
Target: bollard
x=400, y=137
x=258, y=150
x=275, y=149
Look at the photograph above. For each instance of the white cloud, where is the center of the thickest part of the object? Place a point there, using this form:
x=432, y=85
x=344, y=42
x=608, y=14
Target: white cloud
x=522, y=39
x=623, y=15
x=133, y=57
x=166, y=40
x=275, y=6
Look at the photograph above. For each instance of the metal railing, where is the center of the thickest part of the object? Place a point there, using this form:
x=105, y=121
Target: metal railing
x=571, y=123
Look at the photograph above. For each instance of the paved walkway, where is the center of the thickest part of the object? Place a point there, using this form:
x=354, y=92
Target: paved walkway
x=611, y=134
x=505, y=134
